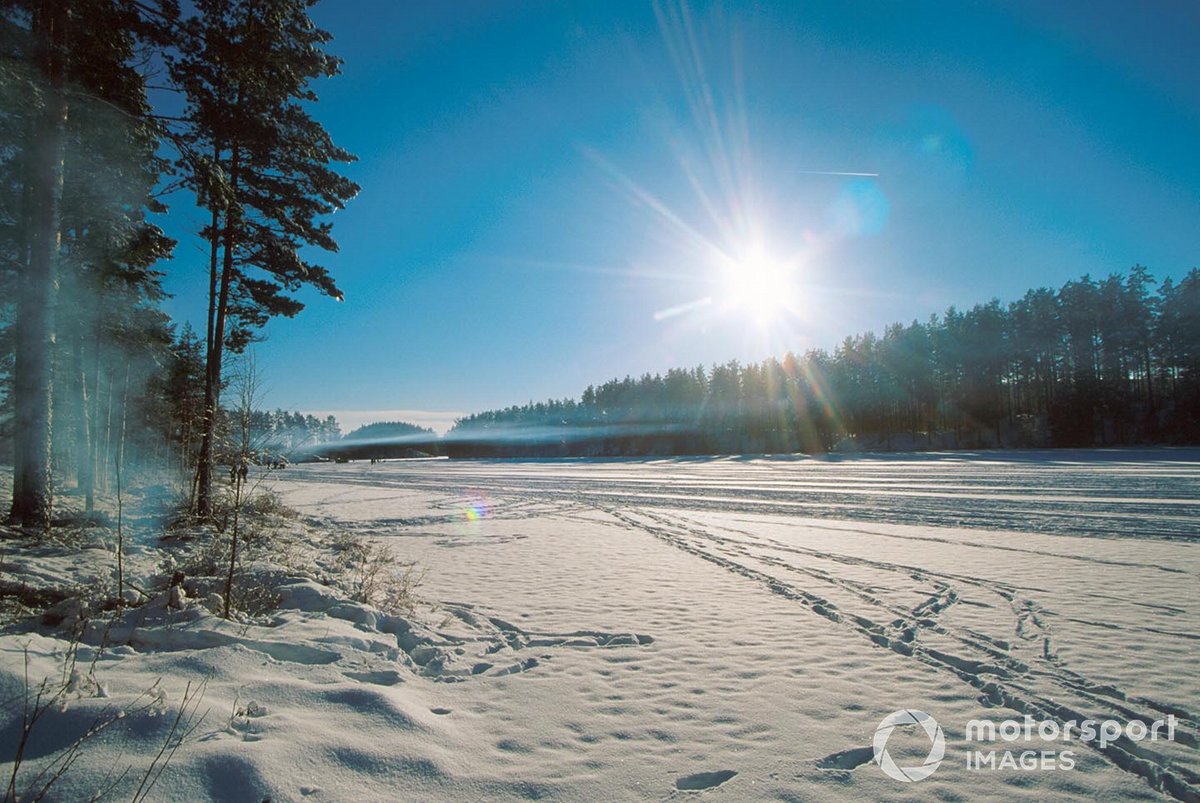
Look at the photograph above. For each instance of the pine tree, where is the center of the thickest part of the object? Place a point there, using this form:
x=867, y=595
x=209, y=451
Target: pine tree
x=46, y=51
x=82, y=153
x=267, y=182
x=109, y=287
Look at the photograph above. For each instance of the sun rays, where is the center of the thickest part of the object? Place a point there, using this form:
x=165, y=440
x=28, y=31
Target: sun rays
x=733, y=233
x=725, y=225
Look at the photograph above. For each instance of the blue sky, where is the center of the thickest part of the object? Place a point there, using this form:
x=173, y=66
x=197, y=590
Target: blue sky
x=555, y=193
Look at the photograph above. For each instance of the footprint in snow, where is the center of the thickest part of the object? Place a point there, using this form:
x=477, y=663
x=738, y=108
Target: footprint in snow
x=703, y=780
x=847, y=759
x=523, y=666
x=380, y=677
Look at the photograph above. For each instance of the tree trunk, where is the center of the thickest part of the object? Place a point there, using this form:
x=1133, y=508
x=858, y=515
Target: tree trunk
x=213, y=249
x=212, y=373
x=120, y=467
x=32, y=388
x=103, y=463
x=85, y=479
x=95, y=411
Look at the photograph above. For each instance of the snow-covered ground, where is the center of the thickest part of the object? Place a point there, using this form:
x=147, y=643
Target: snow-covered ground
x=653, y=629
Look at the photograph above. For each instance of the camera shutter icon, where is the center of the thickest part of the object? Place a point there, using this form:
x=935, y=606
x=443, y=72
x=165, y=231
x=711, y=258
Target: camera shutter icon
x=937, y=745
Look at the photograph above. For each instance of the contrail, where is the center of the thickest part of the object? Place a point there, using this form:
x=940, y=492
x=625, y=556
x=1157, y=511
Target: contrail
x=834, y=173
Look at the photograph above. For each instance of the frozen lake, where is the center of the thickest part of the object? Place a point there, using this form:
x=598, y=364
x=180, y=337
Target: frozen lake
x=1120, y=492
x=641, y=628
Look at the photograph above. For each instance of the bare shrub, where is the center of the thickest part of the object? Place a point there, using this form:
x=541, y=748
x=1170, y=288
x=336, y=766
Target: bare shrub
x=254, y=599
x=204, y=560
x=399, y=596
x=40, y=699
x=268, y=504
x=371, y=576
x=255, y=533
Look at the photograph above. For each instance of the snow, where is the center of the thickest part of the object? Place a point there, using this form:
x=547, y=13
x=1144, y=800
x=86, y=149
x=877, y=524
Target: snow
x=661, y=629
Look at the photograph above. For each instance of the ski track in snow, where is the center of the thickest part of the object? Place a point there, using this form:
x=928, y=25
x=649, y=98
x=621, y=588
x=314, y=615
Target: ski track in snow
x=1056, y=585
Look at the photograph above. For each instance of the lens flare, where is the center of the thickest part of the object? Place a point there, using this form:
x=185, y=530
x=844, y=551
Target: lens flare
x=860, y=209
x=476, y=510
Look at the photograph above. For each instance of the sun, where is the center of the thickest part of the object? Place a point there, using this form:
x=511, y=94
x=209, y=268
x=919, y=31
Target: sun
x=758, y=286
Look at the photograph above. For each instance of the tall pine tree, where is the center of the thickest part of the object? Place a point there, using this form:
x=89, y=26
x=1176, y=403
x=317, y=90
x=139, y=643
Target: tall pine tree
x=43, y=27
x=267, y=179
x=83, y=157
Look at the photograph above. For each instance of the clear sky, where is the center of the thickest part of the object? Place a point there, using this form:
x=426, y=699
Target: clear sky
x=557, y=193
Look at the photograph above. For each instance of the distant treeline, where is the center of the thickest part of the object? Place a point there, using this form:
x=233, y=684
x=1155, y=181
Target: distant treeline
x=381, y=440
x=384, y=430
x=286, y=433
x=1095, y=363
